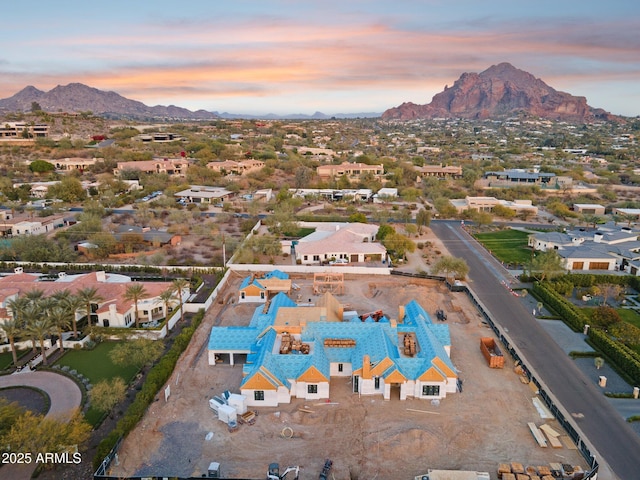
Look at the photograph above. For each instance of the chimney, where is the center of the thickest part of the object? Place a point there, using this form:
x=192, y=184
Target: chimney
x=101, y=276
x=401, y=314
x=366, y=368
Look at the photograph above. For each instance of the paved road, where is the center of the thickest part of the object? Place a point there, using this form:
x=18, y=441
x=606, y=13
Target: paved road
x=609, y=437
x=65, y=397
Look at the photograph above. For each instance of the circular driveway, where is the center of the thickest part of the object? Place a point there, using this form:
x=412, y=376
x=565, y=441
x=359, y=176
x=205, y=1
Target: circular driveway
x=64, y=393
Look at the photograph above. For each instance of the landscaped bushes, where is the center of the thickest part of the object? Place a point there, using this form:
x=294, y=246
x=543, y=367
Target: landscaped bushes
x=625, y=359
x=156, y=378
x=571, y=315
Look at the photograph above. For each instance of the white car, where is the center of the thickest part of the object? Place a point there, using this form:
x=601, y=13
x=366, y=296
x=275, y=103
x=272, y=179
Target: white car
x=339, y=261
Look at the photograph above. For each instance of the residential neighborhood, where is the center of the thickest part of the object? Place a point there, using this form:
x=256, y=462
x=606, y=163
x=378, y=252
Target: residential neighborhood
x=299, y=259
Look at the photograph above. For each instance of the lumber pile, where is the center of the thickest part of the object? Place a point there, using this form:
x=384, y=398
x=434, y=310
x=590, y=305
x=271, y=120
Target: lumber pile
x=555, y=471
x=552, y=435
x=409, y=344
x=537, y=434
x=339, y=342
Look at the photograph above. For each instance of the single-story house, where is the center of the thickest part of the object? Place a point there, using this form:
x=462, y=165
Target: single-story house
x=352, y=242
x=204, y=194
x=294, y=351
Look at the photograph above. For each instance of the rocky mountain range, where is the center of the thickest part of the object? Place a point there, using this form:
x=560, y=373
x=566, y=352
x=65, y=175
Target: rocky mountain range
x=499, y=91
x=77, y=97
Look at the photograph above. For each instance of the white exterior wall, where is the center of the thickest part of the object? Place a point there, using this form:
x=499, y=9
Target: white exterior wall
x=115, y=319
x=417, y=390
x=299, y=390
x=252, y=298
x=271, y=398
x=346, y=370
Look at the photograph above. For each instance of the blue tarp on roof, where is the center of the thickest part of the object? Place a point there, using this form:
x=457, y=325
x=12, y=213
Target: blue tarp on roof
x=276, y=274
x=232, y=338
x=377, y=340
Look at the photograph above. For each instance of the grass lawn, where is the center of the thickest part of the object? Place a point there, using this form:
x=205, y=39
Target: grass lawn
x=509, y=246
x=6, y=359
x=96, y=365
x=629, y=316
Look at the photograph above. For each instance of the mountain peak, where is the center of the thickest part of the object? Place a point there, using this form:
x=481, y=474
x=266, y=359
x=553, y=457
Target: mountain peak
x=500, y=90
x=78, y=97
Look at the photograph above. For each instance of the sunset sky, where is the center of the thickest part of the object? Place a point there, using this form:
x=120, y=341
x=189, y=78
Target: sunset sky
x=331, y=56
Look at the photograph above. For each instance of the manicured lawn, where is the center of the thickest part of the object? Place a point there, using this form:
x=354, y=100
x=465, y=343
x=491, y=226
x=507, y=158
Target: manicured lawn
x=96, y=365
x=629, y=316
x=6, y=359
x=509, y=246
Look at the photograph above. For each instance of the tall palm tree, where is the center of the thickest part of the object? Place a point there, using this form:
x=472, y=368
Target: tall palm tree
x=72, y=303
x=40, y=327
x=168, y=299
x=30, y=315
x=179, y=285
x=89, y=296
x=61, y=320
x=12, y=329
x=135, y=293
x=17, y=306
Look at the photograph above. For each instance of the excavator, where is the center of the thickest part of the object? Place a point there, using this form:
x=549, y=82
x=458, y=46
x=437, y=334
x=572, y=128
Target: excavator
x=273, y=473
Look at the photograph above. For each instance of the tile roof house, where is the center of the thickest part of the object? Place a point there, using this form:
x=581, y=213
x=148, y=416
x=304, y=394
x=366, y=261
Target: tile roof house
x=112, y=311
x=353, y=242
x=294, y=351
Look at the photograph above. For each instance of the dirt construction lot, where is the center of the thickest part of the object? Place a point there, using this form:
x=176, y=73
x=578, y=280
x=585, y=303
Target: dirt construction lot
x=366, y=437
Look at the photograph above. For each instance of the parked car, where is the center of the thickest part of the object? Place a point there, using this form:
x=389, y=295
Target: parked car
x=339, y=261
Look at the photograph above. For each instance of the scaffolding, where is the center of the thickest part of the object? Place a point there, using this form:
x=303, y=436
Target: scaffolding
x=332, y=282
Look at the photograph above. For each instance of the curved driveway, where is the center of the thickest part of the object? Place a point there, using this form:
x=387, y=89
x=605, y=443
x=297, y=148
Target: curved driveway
x=601, y=427
x=64, y=393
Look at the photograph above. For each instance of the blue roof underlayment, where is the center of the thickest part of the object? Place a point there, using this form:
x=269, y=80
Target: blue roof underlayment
x=377, y=340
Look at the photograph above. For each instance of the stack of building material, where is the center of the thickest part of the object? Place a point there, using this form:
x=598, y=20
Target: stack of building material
x=537, y=434
x=409, y=344
x=552, y=435
x=285, y=344
x=508, y=476
x=339, y=342
x=502, y=469
x=517, y=468
x=543, y=470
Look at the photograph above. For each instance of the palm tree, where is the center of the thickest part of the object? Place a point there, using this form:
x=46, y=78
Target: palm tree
x=73, y=303
x=61, y=319
x=39, y=327
x=34, y=295
x=12, y=329
x=88, y=296
x=17, y=324
x=179, y=285
x=168, y=298
x=135, y=292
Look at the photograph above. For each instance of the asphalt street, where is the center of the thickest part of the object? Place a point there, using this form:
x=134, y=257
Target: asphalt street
x=601, y=427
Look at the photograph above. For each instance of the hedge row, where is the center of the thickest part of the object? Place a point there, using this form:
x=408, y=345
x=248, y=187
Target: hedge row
x=625, y=358
x=156, y=379
x=622, y=356
x=571, y=315
x=588, y=280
